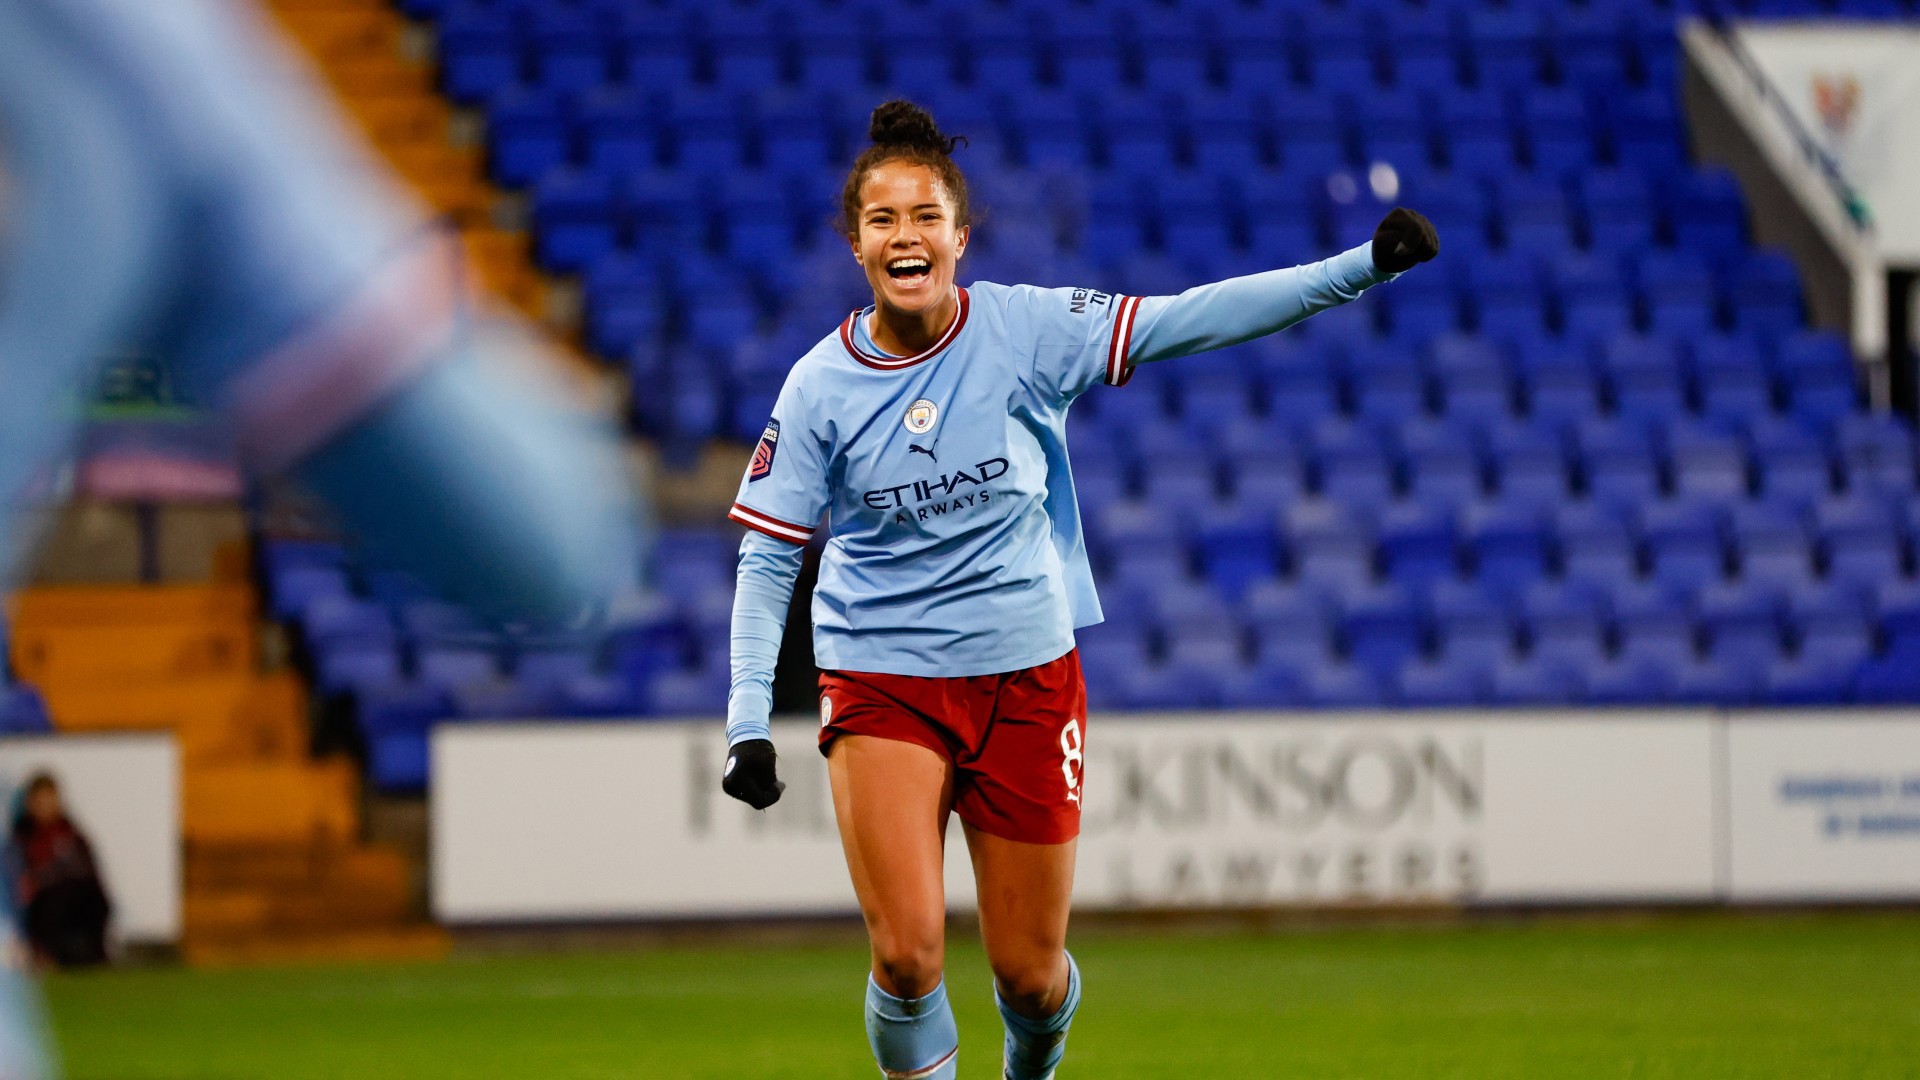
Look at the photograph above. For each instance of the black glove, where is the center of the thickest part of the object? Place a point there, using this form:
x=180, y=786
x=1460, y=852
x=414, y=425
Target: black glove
x=1404, y=240
x=749, y=774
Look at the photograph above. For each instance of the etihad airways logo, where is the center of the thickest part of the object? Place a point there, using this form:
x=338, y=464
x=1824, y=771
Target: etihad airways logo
x=947, y=493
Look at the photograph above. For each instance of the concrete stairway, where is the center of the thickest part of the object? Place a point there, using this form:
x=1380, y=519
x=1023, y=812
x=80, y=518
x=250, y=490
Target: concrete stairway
x=274, y=861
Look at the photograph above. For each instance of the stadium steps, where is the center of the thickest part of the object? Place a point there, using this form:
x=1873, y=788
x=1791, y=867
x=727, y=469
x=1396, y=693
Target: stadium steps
x=275, y=862
x=361, y=46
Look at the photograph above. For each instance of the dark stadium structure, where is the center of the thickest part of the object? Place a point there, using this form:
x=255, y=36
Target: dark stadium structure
x=1592, y=455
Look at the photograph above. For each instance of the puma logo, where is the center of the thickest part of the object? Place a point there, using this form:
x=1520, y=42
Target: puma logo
x=913, y=449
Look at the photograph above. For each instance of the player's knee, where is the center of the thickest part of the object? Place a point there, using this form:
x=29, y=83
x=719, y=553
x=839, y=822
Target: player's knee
x=1033, y=984
x=909, y=966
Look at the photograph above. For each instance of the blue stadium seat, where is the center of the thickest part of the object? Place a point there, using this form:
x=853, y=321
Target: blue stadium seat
x=1876, y=452
x=1510, y=546
x=1534, y=681
x=1381, y=627
x=1470, y=626
x=553, y=667
x=1801, y=681
x=295, y=587
x=1891, y=678
x=1741, y=622
x=1290, y=624
x=1560, y=140
x=1619, y=209
x=1683, y=550
x=1896, y=604
x=653, y=54
x=1342, y=686
x=1764, y=293
x=1650, y=623
x=1255, y=59
x=397, y=762
x=506, y=700
x=1645, y=130
x=1708, y=466
x=1707, y=211
x=1272, y=686
x=574, y=221
x=1237, y=546
x=1169, y=48
x=354, y=666
x=1644, y=680
x=23, y=711
x=448, y=667
x=1476, y=134
x=700, y=692
x=1417, y=545
x=1442, y=683
x=570, y=50
x=1330, y=543
x=1183, y=485
x=1421, y=52
x=478, y=53
x=1715, y=682
x=602, y=696
x=400, y=708
x=1566, y=624
x=1535, y=216
x=527, y=134
x=340, y=617
x=1592, y=48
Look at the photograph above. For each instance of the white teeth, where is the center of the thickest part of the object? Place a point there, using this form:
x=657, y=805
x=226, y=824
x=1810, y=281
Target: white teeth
x=907, y=264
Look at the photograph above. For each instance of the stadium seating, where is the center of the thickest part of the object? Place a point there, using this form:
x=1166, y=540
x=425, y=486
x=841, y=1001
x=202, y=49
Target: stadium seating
x=1595, y=454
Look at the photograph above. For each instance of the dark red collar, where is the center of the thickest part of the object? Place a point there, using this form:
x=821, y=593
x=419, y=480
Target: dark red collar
x=894, y=363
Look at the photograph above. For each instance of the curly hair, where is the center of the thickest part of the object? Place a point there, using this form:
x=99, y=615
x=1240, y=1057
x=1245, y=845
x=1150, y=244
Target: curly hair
x=903, y=131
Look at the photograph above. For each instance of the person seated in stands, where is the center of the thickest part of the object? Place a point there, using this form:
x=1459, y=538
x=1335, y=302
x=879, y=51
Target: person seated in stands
x=56, y=882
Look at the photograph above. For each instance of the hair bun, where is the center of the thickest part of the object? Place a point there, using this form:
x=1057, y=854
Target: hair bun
x=903, y=124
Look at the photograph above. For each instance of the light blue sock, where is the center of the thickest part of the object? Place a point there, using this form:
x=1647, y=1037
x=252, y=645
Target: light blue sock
x=1035, y=1047
x=913, y=1038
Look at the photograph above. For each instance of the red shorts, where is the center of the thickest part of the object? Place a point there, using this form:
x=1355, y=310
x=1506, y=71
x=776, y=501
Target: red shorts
x=1016, y=740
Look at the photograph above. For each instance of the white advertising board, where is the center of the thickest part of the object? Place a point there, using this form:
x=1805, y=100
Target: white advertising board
x=123, y=791
x=590, y=821
x=1824, y=806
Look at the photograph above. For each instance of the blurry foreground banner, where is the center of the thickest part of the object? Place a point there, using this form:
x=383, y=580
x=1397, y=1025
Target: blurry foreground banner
x=1856, y=88
x=601, y=821
x=123, y=792
x=1825, y=806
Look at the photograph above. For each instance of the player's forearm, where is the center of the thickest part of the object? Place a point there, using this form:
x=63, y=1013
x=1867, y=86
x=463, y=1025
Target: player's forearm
x=763, y=590
x=1243, y=308
x=486, y=486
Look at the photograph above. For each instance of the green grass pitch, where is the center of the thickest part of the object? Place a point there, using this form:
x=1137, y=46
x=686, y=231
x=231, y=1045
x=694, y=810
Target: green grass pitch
x=1683, y=996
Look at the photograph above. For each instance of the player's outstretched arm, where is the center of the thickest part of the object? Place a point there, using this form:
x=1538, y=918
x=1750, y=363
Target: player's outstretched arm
x=762, y=592
x=1243, y=308
x=490, y=487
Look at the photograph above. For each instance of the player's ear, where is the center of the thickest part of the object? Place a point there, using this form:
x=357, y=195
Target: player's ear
x=960, y=242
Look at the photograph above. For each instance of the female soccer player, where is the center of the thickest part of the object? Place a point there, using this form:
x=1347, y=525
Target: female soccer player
x=930, y=430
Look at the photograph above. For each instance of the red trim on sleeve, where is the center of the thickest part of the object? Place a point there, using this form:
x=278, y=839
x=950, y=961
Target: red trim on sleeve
x=772, y=526
x=1118, y=370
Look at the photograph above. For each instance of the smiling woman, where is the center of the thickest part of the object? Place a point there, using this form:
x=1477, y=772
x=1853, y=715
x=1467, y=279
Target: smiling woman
x=930, y=431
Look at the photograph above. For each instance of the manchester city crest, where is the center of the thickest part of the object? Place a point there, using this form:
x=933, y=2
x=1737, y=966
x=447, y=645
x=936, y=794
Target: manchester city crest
x=921, y=416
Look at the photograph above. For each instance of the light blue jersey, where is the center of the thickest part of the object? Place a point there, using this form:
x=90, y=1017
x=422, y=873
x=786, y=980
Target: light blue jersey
x=954, y=545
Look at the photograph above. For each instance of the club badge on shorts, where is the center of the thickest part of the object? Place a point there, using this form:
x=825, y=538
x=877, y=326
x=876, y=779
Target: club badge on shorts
x=763, y=453
x=921, y=416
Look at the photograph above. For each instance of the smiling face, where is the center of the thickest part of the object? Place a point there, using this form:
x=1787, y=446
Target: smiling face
x=907, y=240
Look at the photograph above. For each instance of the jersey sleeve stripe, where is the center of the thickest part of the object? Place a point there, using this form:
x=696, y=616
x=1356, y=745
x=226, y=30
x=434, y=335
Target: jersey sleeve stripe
x=1118, y=370
x=772, y=526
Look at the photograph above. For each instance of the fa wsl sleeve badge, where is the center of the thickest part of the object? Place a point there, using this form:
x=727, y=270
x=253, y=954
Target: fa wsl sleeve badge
x=763, y=453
